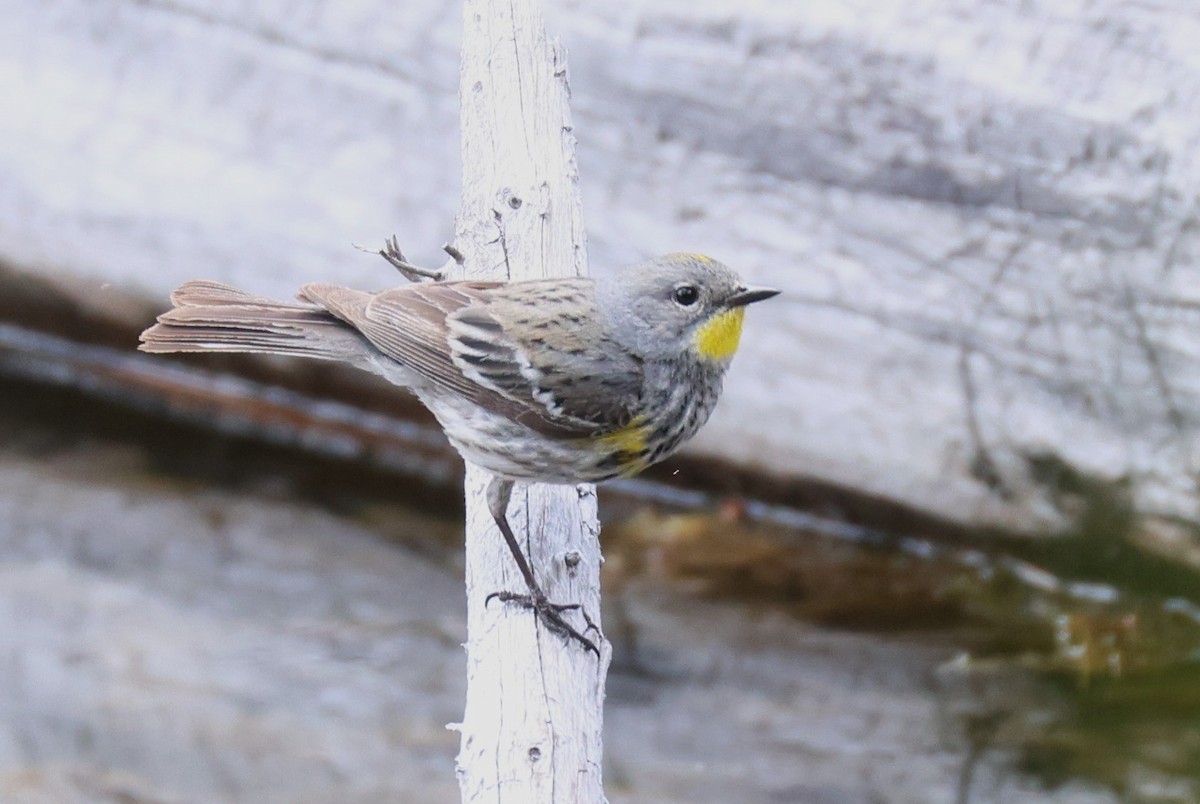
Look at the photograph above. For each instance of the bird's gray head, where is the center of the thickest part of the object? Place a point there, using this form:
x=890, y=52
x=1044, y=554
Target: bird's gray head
x=676, y=303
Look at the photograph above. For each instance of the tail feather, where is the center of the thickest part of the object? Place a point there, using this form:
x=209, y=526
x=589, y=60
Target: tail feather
x=345, y=303
x=207, y=293
x=212, y=317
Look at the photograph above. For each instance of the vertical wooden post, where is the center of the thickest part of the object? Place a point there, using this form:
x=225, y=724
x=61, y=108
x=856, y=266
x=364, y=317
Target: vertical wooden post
x=531, y=730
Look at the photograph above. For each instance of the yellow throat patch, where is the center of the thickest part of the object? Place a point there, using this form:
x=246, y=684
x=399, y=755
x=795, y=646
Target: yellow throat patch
x=717, y=338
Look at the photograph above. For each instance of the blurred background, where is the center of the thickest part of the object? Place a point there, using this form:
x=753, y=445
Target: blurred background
x=939, y=543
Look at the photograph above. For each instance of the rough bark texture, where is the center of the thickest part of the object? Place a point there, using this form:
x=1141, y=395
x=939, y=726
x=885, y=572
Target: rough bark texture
x=983, y=214
x=531, y=731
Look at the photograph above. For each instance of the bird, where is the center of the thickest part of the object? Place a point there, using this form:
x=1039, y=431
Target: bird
x=564, y=380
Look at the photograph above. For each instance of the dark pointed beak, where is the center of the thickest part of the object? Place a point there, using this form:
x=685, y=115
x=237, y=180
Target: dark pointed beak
x=746, y=296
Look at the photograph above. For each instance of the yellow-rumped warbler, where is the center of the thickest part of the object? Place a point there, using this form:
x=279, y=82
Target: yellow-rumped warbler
x=552, y=380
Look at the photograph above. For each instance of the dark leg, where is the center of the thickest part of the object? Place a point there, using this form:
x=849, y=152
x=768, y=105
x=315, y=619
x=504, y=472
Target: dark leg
x=498, y=494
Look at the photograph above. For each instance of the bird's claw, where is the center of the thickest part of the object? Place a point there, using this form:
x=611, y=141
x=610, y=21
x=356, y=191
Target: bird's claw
x=413, y=273
x=551, y=615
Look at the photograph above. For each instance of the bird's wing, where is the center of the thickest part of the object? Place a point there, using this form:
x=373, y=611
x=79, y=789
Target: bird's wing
x=407, y=324
x=484, y=341
x=554, y=356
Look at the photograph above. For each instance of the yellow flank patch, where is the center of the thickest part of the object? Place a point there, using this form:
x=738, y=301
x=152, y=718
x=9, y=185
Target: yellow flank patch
x=630, y=439
x=717, y=338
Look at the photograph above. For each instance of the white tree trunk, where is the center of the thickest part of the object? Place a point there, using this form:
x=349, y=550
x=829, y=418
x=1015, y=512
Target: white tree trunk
x=531, y=731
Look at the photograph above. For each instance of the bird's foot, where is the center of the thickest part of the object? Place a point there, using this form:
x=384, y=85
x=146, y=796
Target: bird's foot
x=413, y=273
x=551, y=615
x=395, y=257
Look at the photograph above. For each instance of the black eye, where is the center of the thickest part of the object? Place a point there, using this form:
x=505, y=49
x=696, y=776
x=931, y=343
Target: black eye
x=687, y=295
